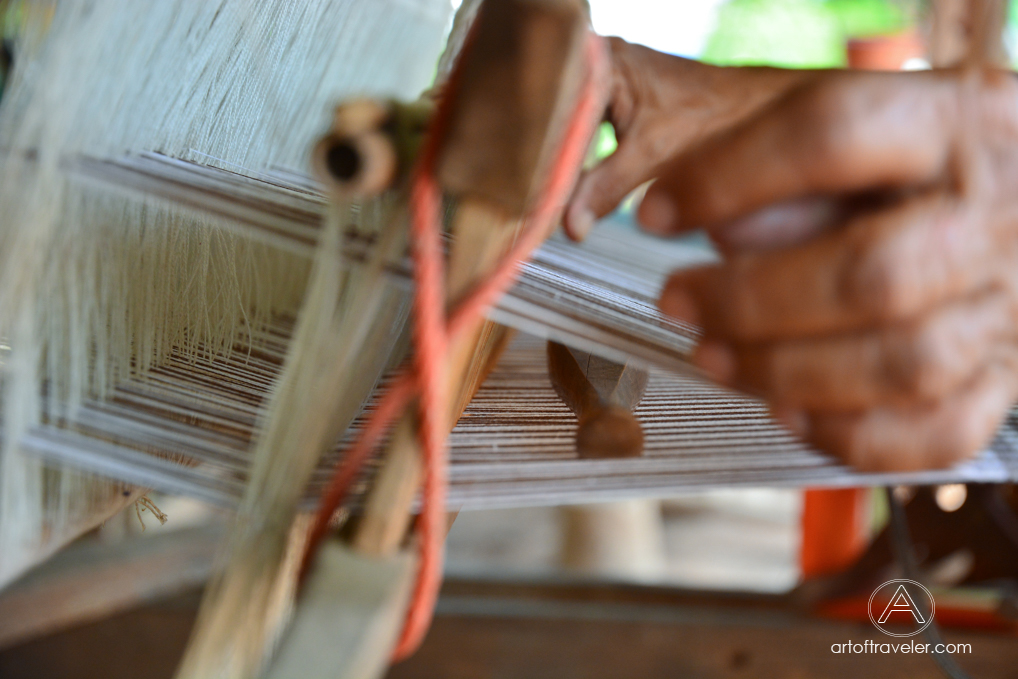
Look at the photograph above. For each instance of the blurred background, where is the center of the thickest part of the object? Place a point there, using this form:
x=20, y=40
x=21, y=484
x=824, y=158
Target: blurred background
x=757, y=541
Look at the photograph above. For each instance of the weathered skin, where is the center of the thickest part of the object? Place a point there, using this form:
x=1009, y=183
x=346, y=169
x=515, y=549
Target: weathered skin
x=660, y=105
x=870, y=223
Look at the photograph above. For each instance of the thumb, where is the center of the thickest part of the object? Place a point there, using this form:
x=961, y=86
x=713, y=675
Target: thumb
x=602, y=188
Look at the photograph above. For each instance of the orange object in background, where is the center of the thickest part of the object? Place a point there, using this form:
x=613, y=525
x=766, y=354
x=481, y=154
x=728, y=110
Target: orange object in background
x=835, y=523
x=884, y=52
x=835, y=529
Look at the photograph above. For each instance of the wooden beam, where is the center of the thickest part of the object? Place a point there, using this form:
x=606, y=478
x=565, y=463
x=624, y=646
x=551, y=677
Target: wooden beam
x=516, y=87
x=534, y=629
x=91, y=580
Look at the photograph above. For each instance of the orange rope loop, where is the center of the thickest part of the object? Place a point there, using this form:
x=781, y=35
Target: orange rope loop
x=434, y=333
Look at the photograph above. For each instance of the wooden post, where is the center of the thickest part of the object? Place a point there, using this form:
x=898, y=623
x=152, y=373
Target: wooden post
x=967, y=30
x=603, y=395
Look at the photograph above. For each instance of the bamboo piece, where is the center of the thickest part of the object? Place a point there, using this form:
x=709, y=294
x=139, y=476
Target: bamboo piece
x=482, y=235
x=343, y=342
x=603, y=394
x=372, y=145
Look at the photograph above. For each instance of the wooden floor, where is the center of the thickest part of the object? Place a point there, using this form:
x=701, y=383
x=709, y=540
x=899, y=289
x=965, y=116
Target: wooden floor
x=537, y=630
x=508, y=609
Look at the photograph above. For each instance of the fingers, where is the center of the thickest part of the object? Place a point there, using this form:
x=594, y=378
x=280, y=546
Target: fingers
x=660, y=105
x=778, y=226
x=885, y=267
x=888, y=343
x=919, y=362
x=840, y=135
x=882, y=332
x=910, y=439
x=602, y=188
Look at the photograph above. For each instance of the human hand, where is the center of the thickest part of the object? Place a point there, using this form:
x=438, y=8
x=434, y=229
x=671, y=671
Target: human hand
x=659, y=105
x=882, y=325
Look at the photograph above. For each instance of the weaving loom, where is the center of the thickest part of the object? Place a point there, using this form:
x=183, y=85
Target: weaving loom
x=514, y=445
x=181, y=300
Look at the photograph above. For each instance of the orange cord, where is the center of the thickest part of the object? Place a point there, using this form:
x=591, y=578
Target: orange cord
x=433, y=334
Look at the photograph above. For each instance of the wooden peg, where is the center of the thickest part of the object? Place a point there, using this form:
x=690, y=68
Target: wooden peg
x=603, y=395
x=356, y=165
x=371, y=145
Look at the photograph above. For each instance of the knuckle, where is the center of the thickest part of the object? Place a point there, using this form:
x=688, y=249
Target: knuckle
x=876, y=284
x=919, y=363
x=616, y=44
x=960, y=439
x=829, y=128
x=971, y=424
x=867, y=453
x=874, y=442
x=862, y=451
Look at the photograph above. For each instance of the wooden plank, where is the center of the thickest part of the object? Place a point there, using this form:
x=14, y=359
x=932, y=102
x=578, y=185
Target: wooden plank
x=482, y=234
x=605, y=631
x=91, y=580
x=550, y=630
x=517, y=85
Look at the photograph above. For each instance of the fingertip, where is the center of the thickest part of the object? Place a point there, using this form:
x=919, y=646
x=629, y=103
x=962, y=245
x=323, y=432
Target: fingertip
x=579, y=222
x=678, y=302
x=717, y=361
x=794, y=420
x=658, y=213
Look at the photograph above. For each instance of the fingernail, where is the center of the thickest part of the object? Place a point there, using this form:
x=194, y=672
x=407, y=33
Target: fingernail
x=581, y=221
x=657, y=213
x=716, y=360
x=680, y=305
x=794, y=420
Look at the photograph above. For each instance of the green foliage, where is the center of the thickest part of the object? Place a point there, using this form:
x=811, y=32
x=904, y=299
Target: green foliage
x=605, y=142
x=799, y=33
x=789, y=33
x=865, y=18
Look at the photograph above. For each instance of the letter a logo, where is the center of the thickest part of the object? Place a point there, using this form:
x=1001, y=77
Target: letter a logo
x=901, y=602
x=906, y=596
